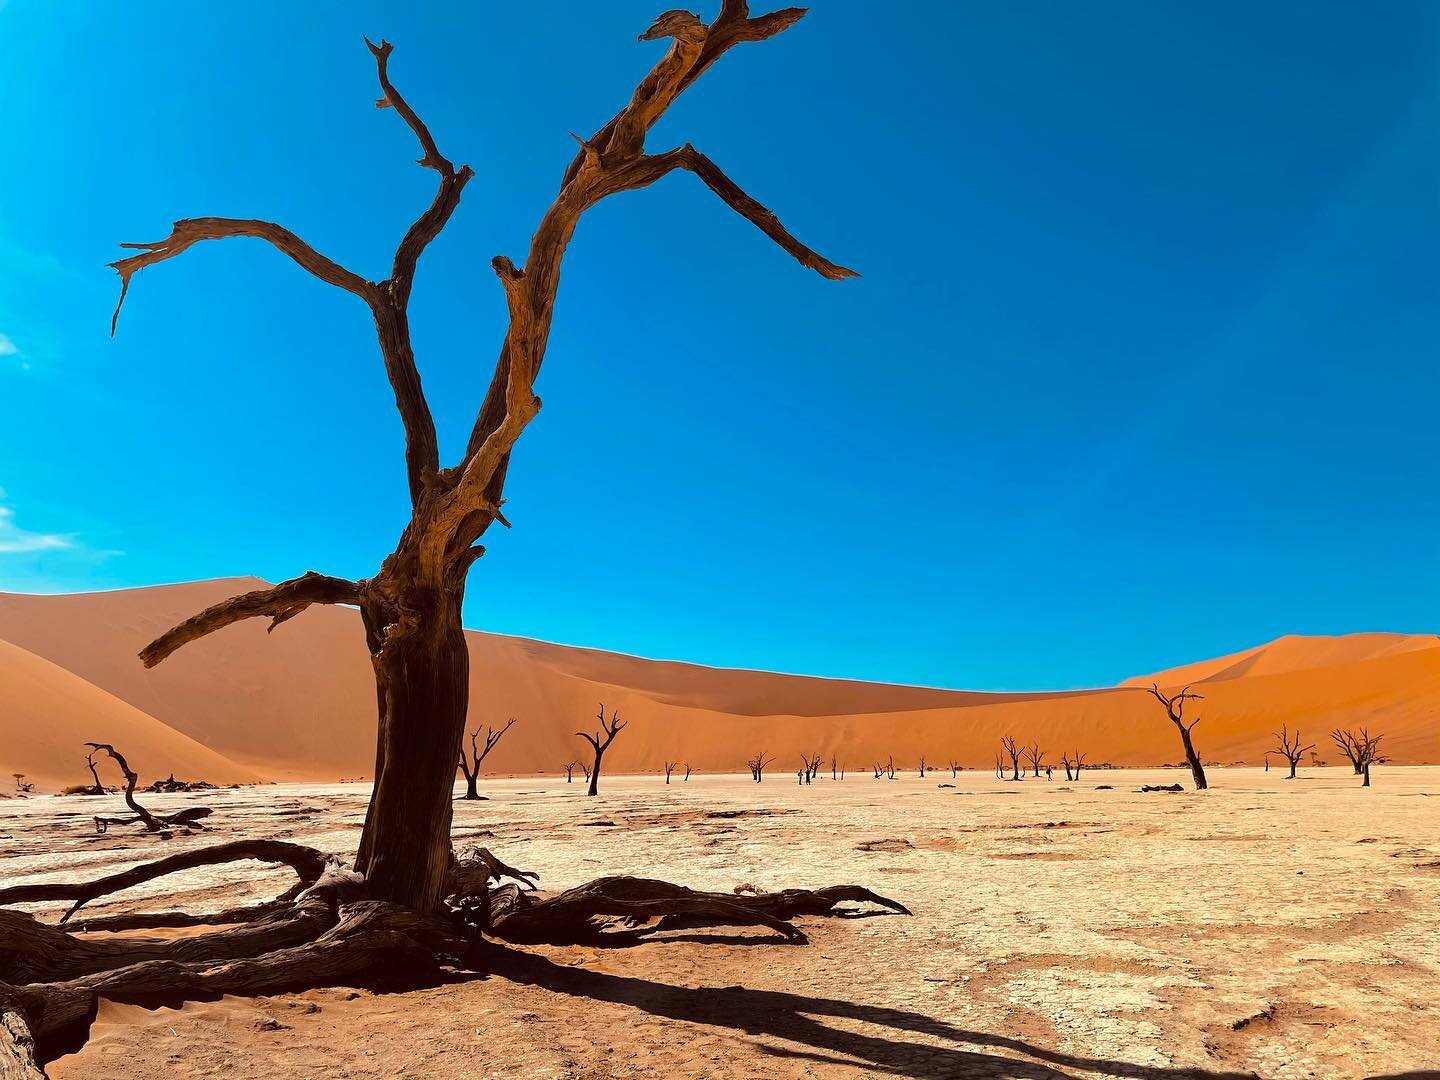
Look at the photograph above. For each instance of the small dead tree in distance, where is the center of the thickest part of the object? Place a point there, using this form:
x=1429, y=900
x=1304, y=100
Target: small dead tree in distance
x=189, y=818
x=471, y=767
x=1345, y=740
x=97, y=788
x=1012, y=748
x=1175, y=709
x=410, y=608
x=600, y=742
x=812, y=766
x=1288, y=746
x=569, y=768
x=670, y=767
x=757, y=765
x=1362, y=748
x=1035, y=756
x=922, y=766
x=687, y=771
x=954, y=768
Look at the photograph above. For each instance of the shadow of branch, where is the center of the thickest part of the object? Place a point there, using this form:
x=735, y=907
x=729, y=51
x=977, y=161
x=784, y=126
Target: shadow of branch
x=793, y=1018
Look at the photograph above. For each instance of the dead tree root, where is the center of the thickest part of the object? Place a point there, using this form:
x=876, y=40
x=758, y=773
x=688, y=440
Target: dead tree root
x=324, y=931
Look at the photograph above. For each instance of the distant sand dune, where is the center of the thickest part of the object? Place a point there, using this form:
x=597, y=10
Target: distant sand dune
x=48, y=713
x=299, y=703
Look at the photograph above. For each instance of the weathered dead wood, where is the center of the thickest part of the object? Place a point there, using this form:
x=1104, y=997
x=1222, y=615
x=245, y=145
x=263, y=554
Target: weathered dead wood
x=307, y=863
x=577, y=914
x=189, y=818
x=471, y=874
x=365, y=938
x=1175, y=708
x=277, y=602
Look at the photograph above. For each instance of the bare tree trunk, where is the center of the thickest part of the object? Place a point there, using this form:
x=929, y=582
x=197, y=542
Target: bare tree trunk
x=423, y=675
x=1196, y=769
x=98, y=788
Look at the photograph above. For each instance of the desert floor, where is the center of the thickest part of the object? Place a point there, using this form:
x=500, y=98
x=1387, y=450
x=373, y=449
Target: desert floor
x=1271, y=927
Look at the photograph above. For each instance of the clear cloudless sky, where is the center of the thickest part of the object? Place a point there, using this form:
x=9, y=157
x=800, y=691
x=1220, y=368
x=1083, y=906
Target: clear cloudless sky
x=1142, y=367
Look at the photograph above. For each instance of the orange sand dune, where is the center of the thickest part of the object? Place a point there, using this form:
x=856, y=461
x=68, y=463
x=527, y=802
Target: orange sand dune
x=299, y=703
x=1291, y=653
x=49, y=713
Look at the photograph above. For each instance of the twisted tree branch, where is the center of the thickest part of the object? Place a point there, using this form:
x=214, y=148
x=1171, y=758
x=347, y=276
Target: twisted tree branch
x=279, y=602
x=190, y=231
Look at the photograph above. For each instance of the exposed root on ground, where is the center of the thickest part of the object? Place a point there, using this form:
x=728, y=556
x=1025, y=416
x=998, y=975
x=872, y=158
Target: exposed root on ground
x=325, y=930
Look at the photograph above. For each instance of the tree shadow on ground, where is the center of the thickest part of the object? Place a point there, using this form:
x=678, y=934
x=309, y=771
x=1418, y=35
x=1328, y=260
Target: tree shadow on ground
x=794, y=1018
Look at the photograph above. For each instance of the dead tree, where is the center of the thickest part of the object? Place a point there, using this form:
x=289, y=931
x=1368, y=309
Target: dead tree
x=1288, y=747
x=757, y=765
x=922, y=766
x=188, y=818
x=1175, y=709
x=1035, y=756
x=96, y=788
x=670, y=767
x=1345, y=740
x=601, y=741
x=812, y=766
x=1012, y=749
x=478, y=754
x=999, y=767
x=585, y=769
x=1361, y=748
x=569, y=768
x=687, y=771
x=1065, y=763
x=954, y=768
x=890, y=767
x=879, y=770
x=411, y=607
x=1079, y=760
x=409, y=900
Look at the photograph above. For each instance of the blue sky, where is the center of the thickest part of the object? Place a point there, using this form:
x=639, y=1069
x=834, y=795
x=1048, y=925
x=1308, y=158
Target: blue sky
x=1142, y=367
